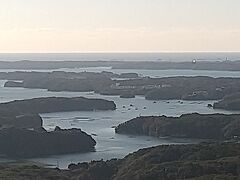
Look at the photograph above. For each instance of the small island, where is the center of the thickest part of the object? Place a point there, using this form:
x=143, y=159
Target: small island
x=127, y=95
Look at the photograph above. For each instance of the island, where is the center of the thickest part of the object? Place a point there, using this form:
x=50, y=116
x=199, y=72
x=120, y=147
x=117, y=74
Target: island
x=195, y=126
x=22, y=134
x=55, y=104
x=229, y=102
x=25, y=113
x=106, y=83
x=127, y=95
x=63, y=81
x=26, y=143
x=29, y=121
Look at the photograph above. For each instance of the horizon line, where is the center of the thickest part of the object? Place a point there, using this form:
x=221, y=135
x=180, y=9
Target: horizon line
x=119, y=52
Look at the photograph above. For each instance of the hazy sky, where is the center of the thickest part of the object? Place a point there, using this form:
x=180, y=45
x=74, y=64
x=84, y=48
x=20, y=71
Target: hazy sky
x=119, y=25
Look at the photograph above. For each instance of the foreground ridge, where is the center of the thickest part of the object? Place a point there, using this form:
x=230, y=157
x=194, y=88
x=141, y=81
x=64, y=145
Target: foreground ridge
x=169, y=162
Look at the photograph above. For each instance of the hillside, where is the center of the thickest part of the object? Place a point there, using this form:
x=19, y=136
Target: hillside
x=201, y=126
x=170, y=162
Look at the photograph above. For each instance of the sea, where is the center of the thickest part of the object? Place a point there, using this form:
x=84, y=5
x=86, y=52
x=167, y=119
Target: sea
x=157, y=56
x=100, y=124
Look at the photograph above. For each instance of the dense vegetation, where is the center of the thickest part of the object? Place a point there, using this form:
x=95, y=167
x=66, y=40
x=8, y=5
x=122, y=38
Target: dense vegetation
x=208, y=126
x=63, y=81
x=56, y=104
x=22, y=135
x=202, y=161
x=22, y=143
x=107, y=83
x=230, y=102
x=25, y=113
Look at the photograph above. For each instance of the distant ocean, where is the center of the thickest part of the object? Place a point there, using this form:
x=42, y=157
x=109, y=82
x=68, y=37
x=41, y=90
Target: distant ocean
x=212, y=56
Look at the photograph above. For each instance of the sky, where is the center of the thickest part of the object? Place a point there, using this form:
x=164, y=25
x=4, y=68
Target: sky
x=119, y=25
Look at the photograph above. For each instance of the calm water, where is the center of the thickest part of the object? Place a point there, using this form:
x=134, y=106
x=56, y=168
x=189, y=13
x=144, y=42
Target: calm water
x=211, y=56
x=109, y=144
